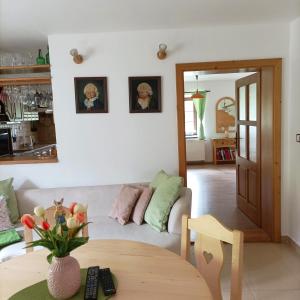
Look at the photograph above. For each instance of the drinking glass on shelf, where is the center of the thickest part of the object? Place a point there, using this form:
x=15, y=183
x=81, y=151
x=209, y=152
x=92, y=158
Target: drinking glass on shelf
x=21, y=59
x=29, y=59
x=13, y=59
x=6, y=60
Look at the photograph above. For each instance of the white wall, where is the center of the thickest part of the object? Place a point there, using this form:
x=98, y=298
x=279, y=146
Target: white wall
x=118, y=146
x=291, y=175
x=218, y=89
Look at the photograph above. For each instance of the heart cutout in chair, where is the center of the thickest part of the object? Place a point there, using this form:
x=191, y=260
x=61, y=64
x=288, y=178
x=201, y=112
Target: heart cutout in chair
x=207, y=256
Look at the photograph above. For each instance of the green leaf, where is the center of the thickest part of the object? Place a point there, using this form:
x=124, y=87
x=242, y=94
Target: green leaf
x=44, y=243
x=79, y=228
x=49, y=258
x=76, y=242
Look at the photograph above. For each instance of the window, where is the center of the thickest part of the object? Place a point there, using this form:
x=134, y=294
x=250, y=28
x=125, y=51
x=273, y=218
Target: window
x=190, y=118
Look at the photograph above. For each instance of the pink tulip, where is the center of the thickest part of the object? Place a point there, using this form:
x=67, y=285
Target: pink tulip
x=28, y=221
x=71, y=208
x=80, y=217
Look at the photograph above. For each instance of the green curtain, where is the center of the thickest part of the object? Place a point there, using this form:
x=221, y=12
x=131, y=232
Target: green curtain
x=200, y=108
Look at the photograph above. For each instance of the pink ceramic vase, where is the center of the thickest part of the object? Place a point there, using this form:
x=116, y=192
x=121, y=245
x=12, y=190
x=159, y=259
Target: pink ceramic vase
x=63, y=277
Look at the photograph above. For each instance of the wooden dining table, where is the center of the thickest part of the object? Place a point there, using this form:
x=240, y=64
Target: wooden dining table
x=143, y=271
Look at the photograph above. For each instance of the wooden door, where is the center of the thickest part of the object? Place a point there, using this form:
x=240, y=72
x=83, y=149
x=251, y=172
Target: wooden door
x=248, y=147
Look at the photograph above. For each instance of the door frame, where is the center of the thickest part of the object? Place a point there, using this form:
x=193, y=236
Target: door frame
x=272, y=216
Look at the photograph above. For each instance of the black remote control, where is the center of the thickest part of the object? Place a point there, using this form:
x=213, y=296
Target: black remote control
x=107, y=282
x=91, y=284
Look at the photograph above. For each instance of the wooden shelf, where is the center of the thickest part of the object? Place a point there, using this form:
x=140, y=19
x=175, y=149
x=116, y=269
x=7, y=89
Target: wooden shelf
x=24, y=69
x=226, y=145
x=25, y=80
x=23, y=75
x=7, y=160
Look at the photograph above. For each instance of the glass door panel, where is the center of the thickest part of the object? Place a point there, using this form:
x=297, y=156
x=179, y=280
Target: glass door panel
x=242, y=103
x=242, y=141
x=252, y=143
x=252, y=102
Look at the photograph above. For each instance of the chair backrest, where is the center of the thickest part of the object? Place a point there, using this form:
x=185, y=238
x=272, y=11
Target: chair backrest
x=50, y=216
x=209, y=252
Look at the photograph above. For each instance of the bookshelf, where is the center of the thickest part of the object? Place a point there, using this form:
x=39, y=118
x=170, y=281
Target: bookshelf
x=223, y=150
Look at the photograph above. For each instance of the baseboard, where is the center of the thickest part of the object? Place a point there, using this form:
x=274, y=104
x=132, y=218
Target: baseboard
x=287, y=240
x=198, y=162
x=256, y=235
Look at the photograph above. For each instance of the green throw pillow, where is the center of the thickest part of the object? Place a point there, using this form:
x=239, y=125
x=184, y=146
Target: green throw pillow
x=8, y=237
x=160, y=177
x=6, y=188
x=164, y=197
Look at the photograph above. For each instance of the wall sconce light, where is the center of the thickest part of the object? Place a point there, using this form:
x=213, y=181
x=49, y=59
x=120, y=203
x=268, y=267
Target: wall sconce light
x=77, y=58
x=162, y=53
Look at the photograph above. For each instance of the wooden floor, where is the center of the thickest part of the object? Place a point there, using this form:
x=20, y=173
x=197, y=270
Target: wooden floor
x=213, y=189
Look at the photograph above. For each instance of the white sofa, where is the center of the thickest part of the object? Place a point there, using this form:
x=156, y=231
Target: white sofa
x=99, y=200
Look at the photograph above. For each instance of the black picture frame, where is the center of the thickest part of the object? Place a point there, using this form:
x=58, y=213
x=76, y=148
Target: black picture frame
x=150, y=103
x=87, y=88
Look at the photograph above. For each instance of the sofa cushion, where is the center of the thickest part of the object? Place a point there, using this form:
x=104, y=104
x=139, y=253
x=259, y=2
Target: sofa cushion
x=141, y=204
x=107, y=228
x=98, y=198
x=8, y=237
x=6, y=189
x=17, y=249
x=181, y=206
x=163, y=198
x=4, y=214
x=124, y=203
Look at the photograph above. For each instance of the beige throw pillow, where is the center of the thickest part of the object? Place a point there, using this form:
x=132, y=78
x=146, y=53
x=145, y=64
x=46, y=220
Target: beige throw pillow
x=124, y=204
x=141, y=204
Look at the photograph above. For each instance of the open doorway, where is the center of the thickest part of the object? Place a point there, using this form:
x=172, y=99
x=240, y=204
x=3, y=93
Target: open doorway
x=257, y=193
x=210, y=130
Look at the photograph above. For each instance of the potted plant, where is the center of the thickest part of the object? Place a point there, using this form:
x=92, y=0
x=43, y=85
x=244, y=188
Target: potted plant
x=64, y=272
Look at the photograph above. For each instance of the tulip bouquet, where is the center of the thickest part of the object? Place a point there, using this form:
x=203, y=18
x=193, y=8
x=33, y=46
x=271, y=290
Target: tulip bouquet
x=62, y=238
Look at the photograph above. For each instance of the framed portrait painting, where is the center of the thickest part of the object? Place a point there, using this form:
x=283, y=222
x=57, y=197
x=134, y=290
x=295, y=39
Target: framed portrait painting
x=91, y=94
x=144, y=94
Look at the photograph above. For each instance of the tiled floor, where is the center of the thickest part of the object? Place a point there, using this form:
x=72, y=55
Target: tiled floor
x=271, y=272
x=214, y=192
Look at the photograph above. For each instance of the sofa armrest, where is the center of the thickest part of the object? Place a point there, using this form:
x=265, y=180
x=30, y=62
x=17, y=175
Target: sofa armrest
x=181, y=206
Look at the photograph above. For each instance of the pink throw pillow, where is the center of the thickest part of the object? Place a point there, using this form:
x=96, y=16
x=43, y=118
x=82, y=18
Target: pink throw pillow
x=141, y=204
x=124, y=204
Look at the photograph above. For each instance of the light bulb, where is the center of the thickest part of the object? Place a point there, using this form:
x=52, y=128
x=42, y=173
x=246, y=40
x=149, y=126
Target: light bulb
x=74, y=52
x=162, y=47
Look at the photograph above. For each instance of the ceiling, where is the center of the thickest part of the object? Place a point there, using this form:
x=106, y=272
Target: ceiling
x=27, y=23
x=190, y=76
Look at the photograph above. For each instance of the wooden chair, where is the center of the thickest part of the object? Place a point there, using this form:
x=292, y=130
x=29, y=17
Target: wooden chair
x=49, y=214
x=209, y=252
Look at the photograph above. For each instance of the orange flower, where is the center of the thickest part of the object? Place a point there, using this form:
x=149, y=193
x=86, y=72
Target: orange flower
x=45, y=225
x=80, y=217
x=71, y=208
x=28, y=220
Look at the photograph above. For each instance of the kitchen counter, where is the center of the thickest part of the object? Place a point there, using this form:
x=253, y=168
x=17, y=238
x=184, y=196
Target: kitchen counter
x=13, y=160
x=36, y=154
x=31, y=150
